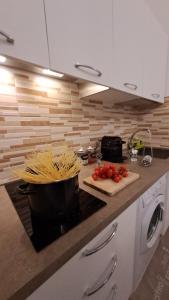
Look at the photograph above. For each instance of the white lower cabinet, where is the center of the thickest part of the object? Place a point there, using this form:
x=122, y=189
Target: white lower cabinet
x=102, y=270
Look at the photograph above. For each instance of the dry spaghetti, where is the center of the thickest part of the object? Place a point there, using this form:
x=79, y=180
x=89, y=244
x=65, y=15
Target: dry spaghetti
x=45, y=167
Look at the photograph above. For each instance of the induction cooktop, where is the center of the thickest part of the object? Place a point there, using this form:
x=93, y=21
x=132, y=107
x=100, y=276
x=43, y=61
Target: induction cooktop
x=43, y=233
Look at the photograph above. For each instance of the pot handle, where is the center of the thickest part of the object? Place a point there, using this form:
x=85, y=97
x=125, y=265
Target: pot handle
x=25, y=189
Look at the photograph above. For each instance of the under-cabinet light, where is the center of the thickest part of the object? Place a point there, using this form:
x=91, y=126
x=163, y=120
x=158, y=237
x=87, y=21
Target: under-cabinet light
x=2, y=59
x=5, y=76
x=45, y=82
x=52, y=73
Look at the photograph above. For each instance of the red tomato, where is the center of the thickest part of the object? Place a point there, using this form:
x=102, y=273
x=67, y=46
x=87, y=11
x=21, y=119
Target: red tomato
x=112, y=167
x=100, y=170
x=109, y=173
x=120, y=172
x=116, y=179
x=103, y=176
x=94, y=176
x=97, y=172
x=122, y=169
x=125, y=174
x=105, y=168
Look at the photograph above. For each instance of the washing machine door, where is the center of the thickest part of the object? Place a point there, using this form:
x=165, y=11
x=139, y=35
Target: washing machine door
x=152, y=223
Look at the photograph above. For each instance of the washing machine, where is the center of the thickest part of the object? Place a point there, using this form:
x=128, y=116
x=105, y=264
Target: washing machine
x=149, y=227
x=166, y=215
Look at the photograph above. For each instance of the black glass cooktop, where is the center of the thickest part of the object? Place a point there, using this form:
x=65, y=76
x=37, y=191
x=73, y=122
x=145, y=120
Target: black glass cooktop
x=43, y=232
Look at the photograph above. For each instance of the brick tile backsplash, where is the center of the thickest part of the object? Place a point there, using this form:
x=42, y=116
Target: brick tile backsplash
x=33, y=116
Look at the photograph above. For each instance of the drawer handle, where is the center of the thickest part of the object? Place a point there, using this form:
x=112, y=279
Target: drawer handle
x=131, y=86
x=82, y=67
x=114, y=291
x=156, y=96
x=104, y=278
x=8, y=38
x=101, y=244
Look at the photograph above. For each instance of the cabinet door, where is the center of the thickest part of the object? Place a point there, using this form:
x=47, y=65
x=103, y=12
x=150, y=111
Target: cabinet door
x=154, y=58
x=84, y=272
x=80, y=38
x=127, y=45
x=126, y=251
x=24, y=22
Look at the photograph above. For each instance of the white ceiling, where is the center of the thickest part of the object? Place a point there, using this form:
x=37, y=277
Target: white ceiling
x=161, y=11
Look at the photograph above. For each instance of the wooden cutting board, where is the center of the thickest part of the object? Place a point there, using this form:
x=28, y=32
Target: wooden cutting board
x=108, y=186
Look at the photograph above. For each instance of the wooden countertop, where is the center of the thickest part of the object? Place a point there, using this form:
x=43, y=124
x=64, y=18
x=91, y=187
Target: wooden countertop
x=22, y=270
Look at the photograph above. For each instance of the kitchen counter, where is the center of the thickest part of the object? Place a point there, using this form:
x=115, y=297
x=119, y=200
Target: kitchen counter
x=23, y=270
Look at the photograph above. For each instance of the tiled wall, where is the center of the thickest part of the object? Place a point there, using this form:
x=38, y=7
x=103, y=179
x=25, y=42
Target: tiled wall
x=156, y=117
x=37, y=111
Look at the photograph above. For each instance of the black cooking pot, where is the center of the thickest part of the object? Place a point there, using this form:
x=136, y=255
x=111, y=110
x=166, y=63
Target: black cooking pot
x=111, y=148
x=52, y=200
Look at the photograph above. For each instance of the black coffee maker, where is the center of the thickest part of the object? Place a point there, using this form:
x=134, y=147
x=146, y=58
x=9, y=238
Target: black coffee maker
x=111, y=148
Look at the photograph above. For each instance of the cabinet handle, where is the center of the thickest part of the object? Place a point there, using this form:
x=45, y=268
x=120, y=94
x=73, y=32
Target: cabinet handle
x=114, y=291
x=101, y=244
x=8, y=38
x=104, y=278
x=79, y=66
x=156, y=96
x=131, y=86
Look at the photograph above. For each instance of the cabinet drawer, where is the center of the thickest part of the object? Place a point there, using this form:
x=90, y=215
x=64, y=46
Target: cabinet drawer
x=75, y=281
x=99, y=269
x=92, y=267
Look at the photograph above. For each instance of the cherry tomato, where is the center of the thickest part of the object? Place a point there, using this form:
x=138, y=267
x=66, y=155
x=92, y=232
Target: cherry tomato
x=120, y=172
x=115, y=174
x=97, y=172
x=112, y=167
x=125, y=174
x=116, y=179
x=103, y=176
x=100, y=170
x=122, y=169
x=94, y=176
x=105, y=168
x=109, y=173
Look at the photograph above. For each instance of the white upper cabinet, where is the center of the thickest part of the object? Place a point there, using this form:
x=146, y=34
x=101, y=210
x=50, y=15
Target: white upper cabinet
x=23, y=31
x=80, y=38
x=154, y=58
x=127, y=45
x=115, y=43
